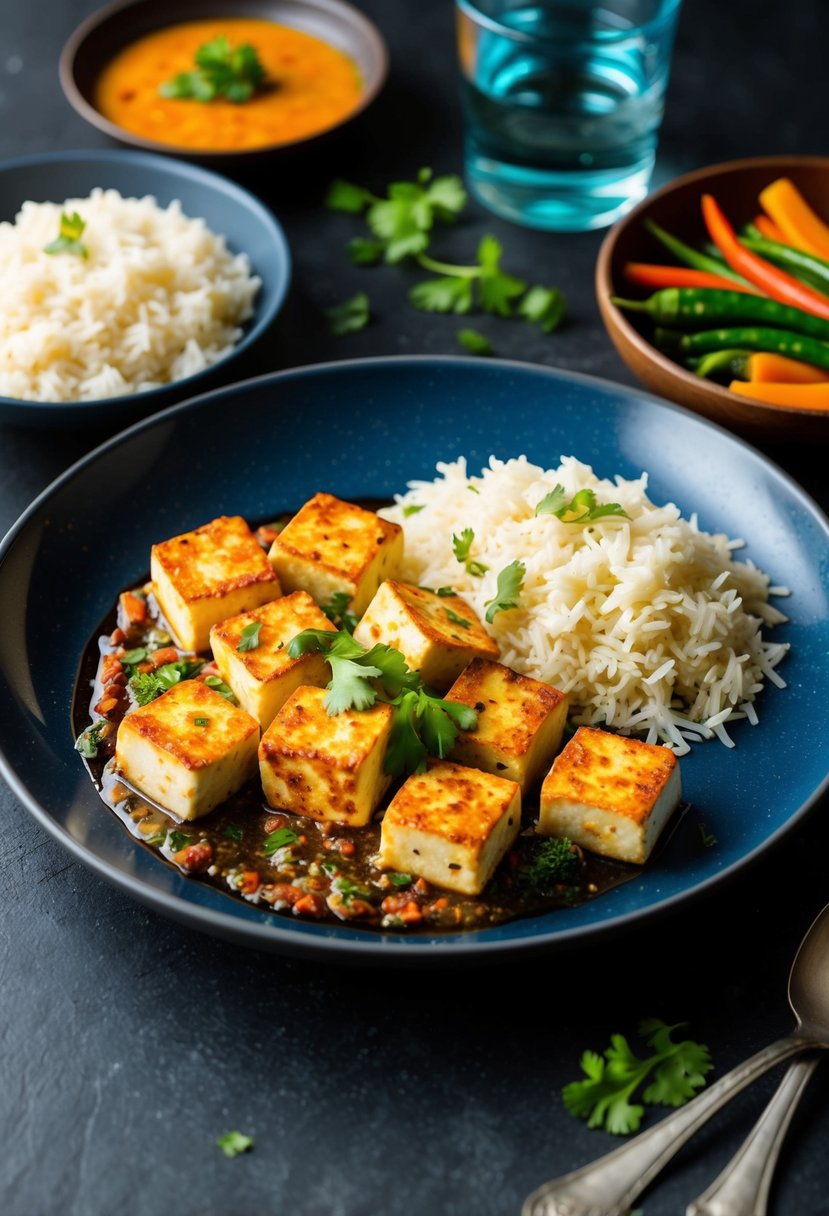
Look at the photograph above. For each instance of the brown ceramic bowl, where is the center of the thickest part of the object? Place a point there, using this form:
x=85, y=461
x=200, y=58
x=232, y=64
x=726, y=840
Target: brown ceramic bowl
x=106, y=32
x=676, y=207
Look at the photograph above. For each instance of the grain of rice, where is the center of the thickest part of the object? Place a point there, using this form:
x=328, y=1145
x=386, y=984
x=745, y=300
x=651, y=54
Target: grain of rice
x=647, y=623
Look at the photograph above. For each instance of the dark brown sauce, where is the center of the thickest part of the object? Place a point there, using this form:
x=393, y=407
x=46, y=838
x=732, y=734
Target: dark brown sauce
x=325, y=871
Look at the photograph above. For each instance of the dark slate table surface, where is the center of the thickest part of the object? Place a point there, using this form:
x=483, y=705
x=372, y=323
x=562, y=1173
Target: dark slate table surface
x=129, y=1044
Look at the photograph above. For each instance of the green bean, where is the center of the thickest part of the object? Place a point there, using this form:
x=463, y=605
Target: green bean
x=776, y=341
x=805, y=266
x=689, y=256
x=704, y=307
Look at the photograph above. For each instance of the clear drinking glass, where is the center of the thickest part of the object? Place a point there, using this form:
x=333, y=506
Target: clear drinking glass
x=562, y=103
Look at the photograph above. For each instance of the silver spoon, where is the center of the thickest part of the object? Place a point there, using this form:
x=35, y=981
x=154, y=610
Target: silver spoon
x=607, y=1187
x=742, y=1189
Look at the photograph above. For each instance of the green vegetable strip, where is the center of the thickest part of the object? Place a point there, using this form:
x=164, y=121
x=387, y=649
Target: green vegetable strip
x=723, y=365
x=690, y=256
x=775, y=341
x=805, y=266
x=688, y=307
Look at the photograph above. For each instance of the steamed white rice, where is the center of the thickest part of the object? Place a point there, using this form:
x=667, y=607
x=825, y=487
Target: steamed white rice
x=647, y=623
x=159, y=298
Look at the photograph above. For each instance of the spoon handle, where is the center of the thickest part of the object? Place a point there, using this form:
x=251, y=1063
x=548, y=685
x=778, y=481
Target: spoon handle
x=742, y=1189
x=607, y=1187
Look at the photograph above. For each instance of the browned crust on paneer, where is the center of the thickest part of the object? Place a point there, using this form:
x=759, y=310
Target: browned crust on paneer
x=320, y=522
x=297, y=715
x=585, y=771
x=281, y=619
x=428, y=612
x=461, y=805
x=243, y=557
x=168, y=723
x=537, y=702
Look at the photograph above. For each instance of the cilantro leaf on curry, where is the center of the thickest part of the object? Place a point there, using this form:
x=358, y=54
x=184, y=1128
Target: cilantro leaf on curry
x=221, y=70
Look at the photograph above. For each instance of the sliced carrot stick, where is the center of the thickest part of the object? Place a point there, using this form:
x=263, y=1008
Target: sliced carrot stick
x=766, y=368
x=647, y=275
x=793, y=396
x=792, y=214
x=769, y=229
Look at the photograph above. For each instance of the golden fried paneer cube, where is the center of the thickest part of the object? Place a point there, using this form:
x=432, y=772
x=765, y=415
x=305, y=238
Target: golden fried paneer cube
x=264, y=676
x=520, y=722
x=213, y=572
x=437, y=635
x=188, y=750
x=451, y=825
x=610, y=794
x=331, y=547
x=322, y=766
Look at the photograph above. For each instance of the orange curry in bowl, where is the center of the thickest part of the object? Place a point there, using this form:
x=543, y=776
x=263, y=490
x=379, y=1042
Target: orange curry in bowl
x=308, y=87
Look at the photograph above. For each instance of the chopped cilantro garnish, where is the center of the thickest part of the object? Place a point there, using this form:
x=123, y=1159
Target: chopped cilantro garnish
x=279, y=839
x=411, y=509
x=545, y=306
x=337, y=611
x=201, y=721
x=88, y=740
x=677, y=1071
x=250, y=636
x=400, y=880
x=234, y=1143
x=473, y=489
x=581, y=509
x=232, y=832
x=157, y=839
x=457, y=620
x=462, y=544
x=550, y=862
x=178, y=840
x=445, y=592
x=348, y=890
x=216, y=683
x=350, y=316
x=474, y=342
x=69, y=236
x=146, y=686
x=478, y=569
x=234, y=73
x=507, y=591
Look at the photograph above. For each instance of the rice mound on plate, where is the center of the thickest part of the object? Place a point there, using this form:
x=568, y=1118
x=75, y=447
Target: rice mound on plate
x=158, y=298
x=646, y=622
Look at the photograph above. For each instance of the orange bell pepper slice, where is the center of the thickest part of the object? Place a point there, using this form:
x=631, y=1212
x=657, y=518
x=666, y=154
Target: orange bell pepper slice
x=791, y=396
x=767, y=368
x=795, y=218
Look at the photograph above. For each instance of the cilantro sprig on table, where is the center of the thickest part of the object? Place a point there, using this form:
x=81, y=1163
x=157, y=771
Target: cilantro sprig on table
x=233, y=1144
x=221, y=70
x=604, y=1097
x=582, y=508
x=422, y=724
x=401, y=226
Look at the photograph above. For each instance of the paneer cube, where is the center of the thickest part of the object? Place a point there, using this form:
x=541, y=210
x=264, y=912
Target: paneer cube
x=213, y=572
x=263, y=678
x=610, y=794
x=520, y=722
x=188, y=750
x=332, y=546
x=329, y=768
x=451, y=825
x=438, y=636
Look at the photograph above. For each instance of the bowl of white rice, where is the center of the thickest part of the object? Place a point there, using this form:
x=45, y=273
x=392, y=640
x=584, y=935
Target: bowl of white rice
x=128, y=281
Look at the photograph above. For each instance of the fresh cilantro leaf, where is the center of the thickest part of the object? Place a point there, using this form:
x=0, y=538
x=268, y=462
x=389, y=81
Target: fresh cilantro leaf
x=462, y=715
x=457, y=620
x=201, y=721
x=337, y=611
x=507, y=590
x=437, y=729
x=496, y=290
x=279, y=839
x=88, y=740
x=445, y=592
x=232, y=832
x=447, y=197
x=462, y=544
x=349, y=687
x=478, y=569
x=250, y=636
x=348, y=890
x=400, y=880
x=364, y=252
x=406, y=752
x=474, y=342
x=403, y=220
x=444, y=294
x=581, y=509
x=345, y=196
x=69, y=236
x=604, y=1097
x=146, y=686
x=234, y=73
x=349, y=317
x=234, y=1143
x=545, y=306
x=218, y=685
x=411, y=509
x=394, y=670
x=178, y=840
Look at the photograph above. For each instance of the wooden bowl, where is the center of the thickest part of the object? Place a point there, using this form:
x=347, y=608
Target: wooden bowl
x=676, y=207
x=106, y=32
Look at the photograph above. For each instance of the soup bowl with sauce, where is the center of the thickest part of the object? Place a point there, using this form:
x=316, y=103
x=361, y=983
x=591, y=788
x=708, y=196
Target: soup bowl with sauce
x=133, y=71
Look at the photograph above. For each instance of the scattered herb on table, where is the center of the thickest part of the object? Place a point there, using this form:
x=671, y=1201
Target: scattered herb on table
x=250, y=636
x=507, y=590
x=234, y=73
x=582, y=508
x=603, y=1098
x=233, y=1144
x=69, y=236
x=402, y=221
x=475, y=343
x=349, y=317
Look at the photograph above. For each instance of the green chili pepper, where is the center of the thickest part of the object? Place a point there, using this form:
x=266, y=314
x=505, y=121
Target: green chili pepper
x=776, y=341
x=805, y=266
x=691, y=257
x=723, y=365
x=705, y=307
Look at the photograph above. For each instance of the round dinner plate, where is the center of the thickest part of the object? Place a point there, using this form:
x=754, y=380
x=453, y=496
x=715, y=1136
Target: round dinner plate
x=361, y=430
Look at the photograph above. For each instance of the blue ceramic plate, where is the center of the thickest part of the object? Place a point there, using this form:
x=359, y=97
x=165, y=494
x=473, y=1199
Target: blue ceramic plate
x=226, y=208
x=363, y=429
